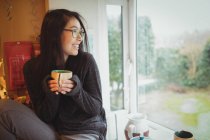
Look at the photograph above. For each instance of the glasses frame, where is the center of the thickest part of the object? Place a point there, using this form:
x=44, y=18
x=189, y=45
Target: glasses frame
x=76, y=32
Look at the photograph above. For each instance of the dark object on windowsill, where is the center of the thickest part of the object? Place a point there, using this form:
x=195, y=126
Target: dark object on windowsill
x=183, y=135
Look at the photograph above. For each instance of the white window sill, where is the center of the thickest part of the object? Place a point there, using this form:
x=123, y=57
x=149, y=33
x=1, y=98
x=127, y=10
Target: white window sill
x=117, y=121
x=158, y=132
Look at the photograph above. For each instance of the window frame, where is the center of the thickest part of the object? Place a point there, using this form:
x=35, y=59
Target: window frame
x=126, y=54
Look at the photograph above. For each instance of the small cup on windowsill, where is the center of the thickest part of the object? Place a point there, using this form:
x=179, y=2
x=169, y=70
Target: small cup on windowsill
x=183, y=135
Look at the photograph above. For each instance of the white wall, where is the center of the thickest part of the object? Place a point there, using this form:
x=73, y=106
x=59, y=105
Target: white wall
x=87, y=8
x=94, y=12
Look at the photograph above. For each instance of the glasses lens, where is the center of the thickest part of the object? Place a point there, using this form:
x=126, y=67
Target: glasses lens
x=75, y=33
x=82, y=33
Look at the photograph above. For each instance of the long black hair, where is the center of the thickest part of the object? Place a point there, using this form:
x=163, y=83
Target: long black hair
x=50, y=38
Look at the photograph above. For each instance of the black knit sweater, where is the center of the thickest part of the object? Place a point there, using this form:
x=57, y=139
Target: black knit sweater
x=79, y=111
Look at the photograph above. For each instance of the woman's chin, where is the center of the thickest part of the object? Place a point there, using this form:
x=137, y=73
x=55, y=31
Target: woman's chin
x=75, y=53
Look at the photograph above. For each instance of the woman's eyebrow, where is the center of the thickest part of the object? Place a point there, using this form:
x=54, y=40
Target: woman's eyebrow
x=74, y=27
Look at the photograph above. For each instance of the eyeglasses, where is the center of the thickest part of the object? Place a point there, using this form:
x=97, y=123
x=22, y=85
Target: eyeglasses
x=76, y=32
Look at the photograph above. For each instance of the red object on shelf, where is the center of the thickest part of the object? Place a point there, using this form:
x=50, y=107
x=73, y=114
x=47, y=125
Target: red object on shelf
x=36, y=49
x=15, y=55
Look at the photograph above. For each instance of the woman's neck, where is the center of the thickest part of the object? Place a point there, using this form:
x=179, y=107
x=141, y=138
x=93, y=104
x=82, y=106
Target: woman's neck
x=65, y=58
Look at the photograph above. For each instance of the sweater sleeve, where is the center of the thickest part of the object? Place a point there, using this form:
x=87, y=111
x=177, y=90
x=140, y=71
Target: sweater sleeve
x=45, y=103
x=87, y=94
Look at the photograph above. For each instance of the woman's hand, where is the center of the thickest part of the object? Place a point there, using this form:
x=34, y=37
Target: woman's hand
x=63, y=87
x=66, y=86
x=53, y=85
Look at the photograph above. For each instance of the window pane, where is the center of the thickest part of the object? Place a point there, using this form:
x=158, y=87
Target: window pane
x=114, y=22
x=173, y=63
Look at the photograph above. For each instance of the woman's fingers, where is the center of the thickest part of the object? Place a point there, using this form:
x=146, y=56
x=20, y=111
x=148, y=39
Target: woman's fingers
x=52, y=82
x=67, y=84
x=63, y=87
x=66, y=89
x=53, y=85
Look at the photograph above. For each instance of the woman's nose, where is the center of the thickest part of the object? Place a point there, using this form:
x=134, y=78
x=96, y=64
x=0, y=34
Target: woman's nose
x=79, y=37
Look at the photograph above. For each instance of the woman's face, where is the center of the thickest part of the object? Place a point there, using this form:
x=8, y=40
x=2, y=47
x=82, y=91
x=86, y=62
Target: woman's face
x=71, y=38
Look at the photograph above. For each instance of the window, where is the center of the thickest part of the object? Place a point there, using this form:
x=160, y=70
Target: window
x=115, y=44
x=173, y=69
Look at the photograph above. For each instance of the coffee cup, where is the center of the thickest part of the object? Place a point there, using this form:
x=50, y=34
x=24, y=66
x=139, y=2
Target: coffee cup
x=183, y=135
x=61, y=75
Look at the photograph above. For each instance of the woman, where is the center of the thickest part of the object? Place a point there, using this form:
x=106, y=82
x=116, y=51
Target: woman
x=74, y=107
